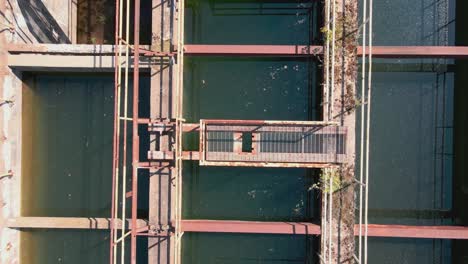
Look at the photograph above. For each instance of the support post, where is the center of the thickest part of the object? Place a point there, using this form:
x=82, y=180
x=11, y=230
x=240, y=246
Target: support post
x=136, y=139
x=163, y=74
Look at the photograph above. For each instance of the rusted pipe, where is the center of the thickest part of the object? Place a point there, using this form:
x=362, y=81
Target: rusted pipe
x=115, y=139
x=136, y=141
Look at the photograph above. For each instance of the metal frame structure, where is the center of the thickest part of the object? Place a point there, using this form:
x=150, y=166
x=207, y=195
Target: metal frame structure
x=305, y=228
x=119, y=202
x=124, y=49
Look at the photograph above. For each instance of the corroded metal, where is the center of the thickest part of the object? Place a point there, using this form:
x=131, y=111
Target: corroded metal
x=252, y=50
x=302, y=228
x=260, y=143
x=136, y=139
x=297, y=50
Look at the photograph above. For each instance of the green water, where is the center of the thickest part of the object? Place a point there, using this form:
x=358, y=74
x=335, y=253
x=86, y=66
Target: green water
x=60, y=246
x=260, y=194
x=252, y=22
x=413, y=23
x=412, y=131
x=411, y=157
x=247, y=249
x=72, y=246
x=406, y=251
x=68, y=154
x=67, y=163
x=249, y=88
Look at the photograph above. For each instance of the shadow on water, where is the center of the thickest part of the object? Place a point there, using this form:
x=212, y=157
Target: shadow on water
x=249, y=88
x=460, y=182
x=67, y=163
x=418, y=131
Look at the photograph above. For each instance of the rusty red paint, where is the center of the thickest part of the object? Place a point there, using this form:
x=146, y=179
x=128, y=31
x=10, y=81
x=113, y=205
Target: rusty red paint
x=269, y=164
x=252, y=50
x=153, y=165
x=191, y=127
x=263, y=122
x=430, y=232
x=150, y=53
x=115, y=139
x=224, y=226
x=295, y=50
x=417, y=52
x=136, y=140
x=298, y=228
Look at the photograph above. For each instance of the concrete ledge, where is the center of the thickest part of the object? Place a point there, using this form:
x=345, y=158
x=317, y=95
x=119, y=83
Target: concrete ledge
x=73, y=49
x=74, y=63
x=69, y=57
x=68, y=223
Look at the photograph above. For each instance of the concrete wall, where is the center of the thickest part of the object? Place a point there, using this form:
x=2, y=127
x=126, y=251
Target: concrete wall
x=22, y=21
x=42, y=21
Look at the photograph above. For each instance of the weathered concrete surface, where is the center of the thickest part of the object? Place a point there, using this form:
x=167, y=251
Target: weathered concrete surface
x=69, y=223
x=42, y=21
x=70, y=58
x=22, y=21
x=68, y=63
x=10, y=131
x=162, y=183
x=343, y=216
x=77, y=49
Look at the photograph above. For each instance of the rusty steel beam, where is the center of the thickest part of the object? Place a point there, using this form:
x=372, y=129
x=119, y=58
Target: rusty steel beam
x=115, y=140
x=195, y=155
x=264, y=122
x=417, y=52
x=298, y=50
x=136, y=138
x=311, y=165
x=224, y=226
x=170, y=155
x=252, y=50
x=295, y=228
x=405, y=231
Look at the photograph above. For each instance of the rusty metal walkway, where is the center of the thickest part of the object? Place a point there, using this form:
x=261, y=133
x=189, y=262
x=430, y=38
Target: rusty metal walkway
x=259, y=143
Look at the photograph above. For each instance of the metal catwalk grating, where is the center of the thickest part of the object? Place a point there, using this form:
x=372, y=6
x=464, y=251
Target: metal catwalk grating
x=254, y=143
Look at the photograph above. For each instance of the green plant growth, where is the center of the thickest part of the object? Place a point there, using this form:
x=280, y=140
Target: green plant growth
x=324, y=184
x=327, y=33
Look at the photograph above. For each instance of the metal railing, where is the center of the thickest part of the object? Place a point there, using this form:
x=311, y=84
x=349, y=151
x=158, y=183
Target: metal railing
x=271, y=143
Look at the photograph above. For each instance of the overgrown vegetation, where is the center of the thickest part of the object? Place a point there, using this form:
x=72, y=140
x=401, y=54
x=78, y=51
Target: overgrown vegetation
x=346, y=35
x=341, y=178
x=330, y=181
